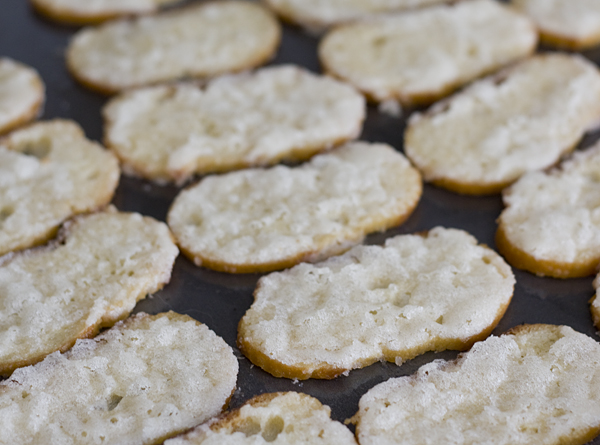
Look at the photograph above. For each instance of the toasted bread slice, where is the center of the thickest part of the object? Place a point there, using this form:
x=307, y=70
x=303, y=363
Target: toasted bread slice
x=144, y=380
x=22, y=94
x=419, y=293
x=49, y=172
x=77, y=12
x=169, y=133
x=421, y=56
x=277, y=418
x=261, y=220
x=90, y=278
x=537, y=384
x=571, y=24
x=318, y=15
x=551, y=224
x=202, y=40
x=521, y=119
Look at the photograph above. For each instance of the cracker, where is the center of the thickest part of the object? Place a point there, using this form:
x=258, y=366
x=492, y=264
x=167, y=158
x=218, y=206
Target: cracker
x=204, y=39
x=277, y=418
x=318, y=15
x=421, y=56
x=418, y=293
x=521, y=119
x=571, y=24
x=551, y=224
x=261, y=220
x=142, y=381
x=90, y=278
x=536, y=384
x=49, y=172
x=22, y=94
x=77, y=12
x=169, y=133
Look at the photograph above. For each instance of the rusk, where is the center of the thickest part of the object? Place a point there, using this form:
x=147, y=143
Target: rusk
x=260, y=220
x=141, y=382
x=169, y=133
x=49, y=172
x=537, y=384
x=418, y=293
x=90, y=278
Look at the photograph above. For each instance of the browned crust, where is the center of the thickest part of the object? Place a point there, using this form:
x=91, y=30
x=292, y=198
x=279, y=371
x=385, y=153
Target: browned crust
x=422, y=98
x=7, y=368
x=326, y=371
x=522, y=260
x=328, y=247
x=549, y=38
x=31, y=113
x=108, y=89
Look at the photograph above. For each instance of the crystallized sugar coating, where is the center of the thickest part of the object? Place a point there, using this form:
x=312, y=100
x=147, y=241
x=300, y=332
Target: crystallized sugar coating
x=140, y=382
x=537, y=384
x=420, y=56
x=551, y=223
x=49, y=171
x=21, y=94
x=263, y=220
x=80, y=12
x=522, y=119
x=319, y=14
x=200, y=40
x=573, y=24
x=51, y=296
x=285, y=112
x=278, y=418
x=416, y=294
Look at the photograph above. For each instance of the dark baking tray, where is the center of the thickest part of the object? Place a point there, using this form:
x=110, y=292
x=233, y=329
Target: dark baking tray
x=219, y=299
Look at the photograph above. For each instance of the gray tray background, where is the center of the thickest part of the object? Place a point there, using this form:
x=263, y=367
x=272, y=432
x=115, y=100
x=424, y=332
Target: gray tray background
x=220, y=300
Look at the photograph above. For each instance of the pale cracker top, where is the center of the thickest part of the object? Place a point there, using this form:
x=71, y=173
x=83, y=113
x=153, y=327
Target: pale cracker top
x=268, y=219
x=555, y=215
x=199, y=40
x=21, y=94
x=51, y=296
x=138, y=383
x=49, y=171
x=172, y=132
x=289, y=418
x=518, y=120
x=417, y=293
x=422, y=55
x=538, y=385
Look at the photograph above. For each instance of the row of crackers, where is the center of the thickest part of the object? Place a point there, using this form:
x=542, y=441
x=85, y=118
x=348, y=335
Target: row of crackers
x=259, y=220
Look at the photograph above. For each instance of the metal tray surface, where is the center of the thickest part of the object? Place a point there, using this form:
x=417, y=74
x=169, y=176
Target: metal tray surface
x=219, y=300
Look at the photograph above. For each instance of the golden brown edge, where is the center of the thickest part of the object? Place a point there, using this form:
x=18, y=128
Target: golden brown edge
x=328, y=372
x=522, y=260
x=108, y=89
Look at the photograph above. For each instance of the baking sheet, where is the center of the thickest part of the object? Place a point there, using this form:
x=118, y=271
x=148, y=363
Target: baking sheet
x=219, y=299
